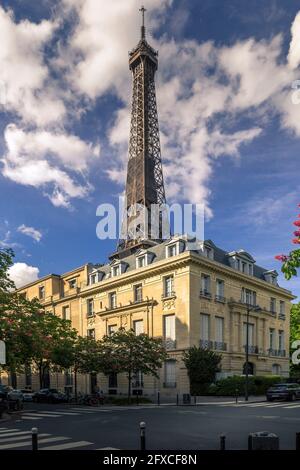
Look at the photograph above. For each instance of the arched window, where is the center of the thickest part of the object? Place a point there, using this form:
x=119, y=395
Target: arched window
x=250, y=368
x=276, y=369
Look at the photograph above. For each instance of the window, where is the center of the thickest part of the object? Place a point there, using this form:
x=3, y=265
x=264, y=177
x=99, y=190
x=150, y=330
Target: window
x=138, y=326
x=66, y=313
x=169, y=331
x=276, y=369
x=251, y=269
x=93, y=278
x=91, y=333
x=248, y=297
x=112, y=300
x=281, y=340
x=204, y=326
x=208, y=252
x=115, y=270
x=137, y=380
x=41, y=292
x=90, y=307
x=219, y=325
x=168, y=286
x=250, y=334
x=282, y=308
x=170, y=373
x=111, y=329
x=172, y=250
x=205, y=285
x=138, y=293
x=220, y=290
x=113, y=380
x=72, y=283
x=273, y=305
x=141, y=261
x=244, y=267
x=272, y=338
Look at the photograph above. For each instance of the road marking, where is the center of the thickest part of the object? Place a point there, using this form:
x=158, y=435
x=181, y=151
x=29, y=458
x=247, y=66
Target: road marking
x=42, y=415
x=291, y=406
x=108, y=448
x=267, y=417
x=20, y=438
x=30, y=417
x=67, y=413
x=69, y=445
x=17, y=433
x=7, y=430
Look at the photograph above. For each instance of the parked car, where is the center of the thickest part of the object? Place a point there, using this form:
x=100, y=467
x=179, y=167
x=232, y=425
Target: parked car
x=13, y=397
x=284, y=391
x=27, y=394
x=49, y=395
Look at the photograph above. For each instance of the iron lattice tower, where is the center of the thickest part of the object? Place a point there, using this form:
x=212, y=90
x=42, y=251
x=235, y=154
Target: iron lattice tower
x=145, y=184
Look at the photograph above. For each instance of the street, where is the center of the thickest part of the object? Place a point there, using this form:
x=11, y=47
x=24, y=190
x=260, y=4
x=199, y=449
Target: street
x=167, y=427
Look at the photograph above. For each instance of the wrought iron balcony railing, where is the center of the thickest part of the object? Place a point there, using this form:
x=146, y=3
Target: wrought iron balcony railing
x=220, y=346
x=252, y=349
x=277, y=352
x=206, y=344
x=168, y=294
x=220, y=298
x=214, y=345
x=170, y=344
x=205, y=293
x=170, y=384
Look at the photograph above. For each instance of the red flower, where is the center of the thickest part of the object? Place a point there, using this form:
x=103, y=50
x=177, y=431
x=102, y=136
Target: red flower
x=297, y=223
x=282, y=258
x=297, y=233
x=296, y=241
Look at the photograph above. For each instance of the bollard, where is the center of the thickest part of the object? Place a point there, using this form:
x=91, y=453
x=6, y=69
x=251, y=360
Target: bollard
x=34, y=437
x=297, y=440
x=143, y=435
x=195, y=400
x=236, y=395
x=158, y=398
x=222, y=442
x=177, y=399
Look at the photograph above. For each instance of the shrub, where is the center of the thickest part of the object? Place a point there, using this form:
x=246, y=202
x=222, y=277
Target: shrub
x=229, y=386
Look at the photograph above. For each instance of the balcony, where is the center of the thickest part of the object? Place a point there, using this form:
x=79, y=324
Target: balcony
x=168, y=295
x=138, y=300
x=277, y=352
x=205, y=294
x=281, y=316
x=251, y=349
x=169, y=344
x=220, y=346
x=170, y=384
x=206, y=344
x=137, y=384
x=220, y=298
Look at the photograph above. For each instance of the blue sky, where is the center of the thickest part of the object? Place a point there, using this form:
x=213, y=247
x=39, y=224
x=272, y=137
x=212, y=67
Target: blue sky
x=230, y=133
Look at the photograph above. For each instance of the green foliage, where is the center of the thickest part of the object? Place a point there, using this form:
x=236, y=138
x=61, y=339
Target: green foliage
x=202, y=366
x=290, y=266
x=124, y=351
x=124, y=400
x=231, y=386
x=294, y=336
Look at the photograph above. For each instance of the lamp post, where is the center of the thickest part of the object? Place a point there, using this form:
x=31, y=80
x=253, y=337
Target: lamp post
x=250, y=308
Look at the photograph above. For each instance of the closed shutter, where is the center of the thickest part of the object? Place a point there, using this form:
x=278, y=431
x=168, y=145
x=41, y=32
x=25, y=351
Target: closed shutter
x=219, y=329
x=170, y=333
x=204, y=325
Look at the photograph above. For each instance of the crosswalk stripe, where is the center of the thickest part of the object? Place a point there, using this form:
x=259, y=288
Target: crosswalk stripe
x=30, y=417
x=67, y=413
x=11, y=445
x=108, y=448
x=69, y=445
x=20, y=438
x=17, y=433
x=42, y=415
x=291, y=406
x=7, y=430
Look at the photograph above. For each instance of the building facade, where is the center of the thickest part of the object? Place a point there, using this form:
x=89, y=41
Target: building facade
x=204, y=297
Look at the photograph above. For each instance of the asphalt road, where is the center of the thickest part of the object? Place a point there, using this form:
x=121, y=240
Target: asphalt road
x=167, y=427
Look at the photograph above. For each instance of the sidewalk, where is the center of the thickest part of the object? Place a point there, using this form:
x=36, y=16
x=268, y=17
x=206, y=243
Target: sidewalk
x=223, y=400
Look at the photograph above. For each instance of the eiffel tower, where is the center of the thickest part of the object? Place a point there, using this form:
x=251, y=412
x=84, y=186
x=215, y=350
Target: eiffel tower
x=145, y=184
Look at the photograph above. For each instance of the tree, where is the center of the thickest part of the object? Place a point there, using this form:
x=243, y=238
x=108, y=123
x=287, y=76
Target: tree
x=202, y=366
x=291, y=262
x=126, y=352
x=295, y=334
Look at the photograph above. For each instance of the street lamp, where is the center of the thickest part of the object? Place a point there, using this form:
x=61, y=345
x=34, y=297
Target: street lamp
x=250, y=308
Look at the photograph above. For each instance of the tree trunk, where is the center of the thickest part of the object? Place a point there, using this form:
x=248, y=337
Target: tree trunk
x=129, y=387
x=40, y=367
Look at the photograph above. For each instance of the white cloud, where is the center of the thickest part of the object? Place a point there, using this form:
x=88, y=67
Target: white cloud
x=30, y=232
x=6, y=241
x=35, y=158
x=294, y=51
x=24, y=77
x=22, y=274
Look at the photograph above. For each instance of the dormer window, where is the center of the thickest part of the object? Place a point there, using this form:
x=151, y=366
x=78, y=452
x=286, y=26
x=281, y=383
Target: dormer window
x=95, y=276
x=271, y=277
x=241, y=261
x=72, y=283
x=173, y=248
x=141, y=261
x=118, y=267
x=208, y=252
